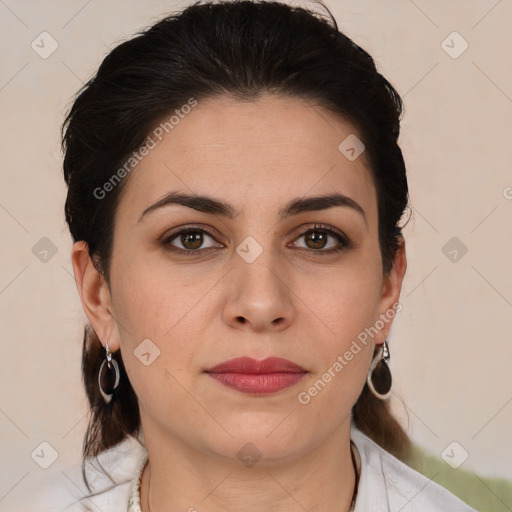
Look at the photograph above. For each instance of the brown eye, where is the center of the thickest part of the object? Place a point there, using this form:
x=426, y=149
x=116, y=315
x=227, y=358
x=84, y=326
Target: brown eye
x=316, y=239
x=189, y=240
x=323, y=240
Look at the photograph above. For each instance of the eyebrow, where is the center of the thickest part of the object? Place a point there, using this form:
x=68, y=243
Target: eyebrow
x=214, y=206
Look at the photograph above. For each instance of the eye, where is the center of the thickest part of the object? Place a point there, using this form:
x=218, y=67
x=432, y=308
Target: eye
x=189, y=240
x=323, y=239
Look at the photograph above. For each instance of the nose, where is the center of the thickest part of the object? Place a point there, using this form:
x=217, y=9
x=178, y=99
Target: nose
x=259, y=294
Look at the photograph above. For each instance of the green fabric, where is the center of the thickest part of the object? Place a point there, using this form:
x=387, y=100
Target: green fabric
x=483, y=494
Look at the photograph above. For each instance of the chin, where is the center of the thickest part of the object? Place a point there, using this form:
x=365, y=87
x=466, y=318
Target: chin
x=266, y=443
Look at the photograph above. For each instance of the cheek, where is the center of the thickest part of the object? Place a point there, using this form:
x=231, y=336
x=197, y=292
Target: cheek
x=155, y=299
x=345, y=307
x=156, y=327
x=151, y=318
x=342, y=350
x=346, y=302
x=157, y=302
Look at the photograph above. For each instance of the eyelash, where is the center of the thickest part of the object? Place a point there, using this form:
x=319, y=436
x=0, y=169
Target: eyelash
x=343, y=240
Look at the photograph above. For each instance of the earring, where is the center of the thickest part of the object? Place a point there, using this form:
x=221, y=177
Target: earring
x=108, y=376
x=379, y=376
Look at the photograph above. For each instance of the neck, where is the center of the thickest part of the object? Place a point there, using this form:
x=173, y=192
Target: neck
x=181, y=478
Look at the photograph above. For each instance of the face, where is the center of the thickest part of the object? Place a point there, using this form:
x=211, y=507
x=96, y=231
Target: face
x=261, y=277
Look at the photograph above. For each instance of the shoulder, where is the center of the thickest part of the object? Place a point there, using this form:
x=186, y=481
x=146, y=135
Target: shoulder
x=109, y=477
x=388, y=485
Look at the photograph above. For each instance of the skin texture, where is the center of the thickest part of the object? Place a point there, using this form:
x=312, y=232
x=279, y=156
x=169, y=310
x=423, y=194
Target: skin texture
x=292, y=301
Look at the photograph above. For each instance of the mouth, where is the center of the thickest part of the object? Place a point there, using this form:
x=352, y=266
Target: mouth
x=262, y=377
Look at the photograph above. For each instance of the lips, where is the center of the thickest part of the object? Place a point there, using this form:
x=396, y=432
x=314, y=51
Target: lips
x=257, y=376
x=249, y=365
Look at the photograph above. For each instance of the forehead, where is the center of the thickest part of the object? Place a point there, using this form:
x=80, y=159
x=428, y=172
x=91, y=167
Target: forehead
x=253, y=154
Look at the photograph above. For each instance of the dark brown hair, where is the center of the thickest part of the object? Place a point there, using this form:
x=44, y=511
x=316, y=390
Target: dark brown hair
x=239, y=49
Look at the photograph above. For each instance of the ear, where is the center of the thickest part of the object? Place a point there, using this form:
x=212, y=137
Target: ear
x=390, y=292
x=95, y=295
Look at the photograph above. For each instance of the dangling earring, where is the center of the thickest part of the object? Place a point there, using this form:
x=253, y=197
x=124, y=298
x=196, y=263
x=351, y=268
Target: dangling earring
x=108, y=376
x=379, y=376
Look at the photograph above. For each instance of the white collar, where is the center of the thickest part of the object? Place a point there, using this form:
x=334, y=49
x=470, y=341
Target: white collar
x=134, y=499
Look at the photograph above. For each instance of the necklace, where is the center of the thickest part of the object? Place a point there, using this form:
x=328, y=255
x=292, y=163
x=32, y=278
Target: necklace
x=134, y=498
x=356, y=462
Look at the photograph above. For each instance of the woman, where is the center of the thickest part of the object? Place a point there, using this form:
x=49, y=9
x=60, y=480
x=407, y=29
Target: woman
x=235, y=192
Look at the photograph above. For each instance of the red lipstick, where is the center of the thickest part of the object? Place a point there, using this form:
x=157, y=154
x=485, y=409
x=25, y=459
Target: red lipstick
x=257, y=377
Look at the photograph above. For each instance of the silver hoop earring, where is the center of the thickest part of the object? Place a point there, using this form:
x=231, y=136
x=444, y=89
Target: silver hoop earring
x=108, y=376
x=379, y=377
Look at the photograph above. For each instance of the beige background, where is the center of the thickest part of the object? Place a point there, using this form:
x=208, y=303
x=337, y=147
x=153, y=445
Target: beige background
x=451, y=346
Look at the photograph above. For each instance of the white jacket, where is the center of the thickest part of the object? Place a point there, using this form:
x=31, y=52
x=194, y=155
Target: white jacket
x=385, y=484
